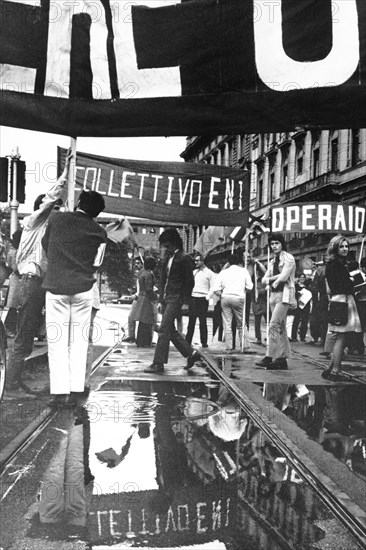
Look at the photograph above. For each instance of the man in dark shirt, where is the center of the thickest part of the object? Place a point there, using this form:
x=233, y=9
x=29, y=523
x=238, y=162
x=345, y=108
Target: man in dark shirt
x=72, y=242
x=176, y=284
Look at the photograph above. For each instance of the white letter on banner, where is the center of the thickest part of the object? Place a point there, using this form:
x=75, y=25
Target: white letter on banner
x=340, y=219
x=59, y=51
x=325, y=217
x=213, y=192
x=194, y=184
x=124, y=184
x=277, y=219
x=359, y=219
x=292, y=216
x=229, y=194
x=157, y=82
x=306, y=215
x=274, y=65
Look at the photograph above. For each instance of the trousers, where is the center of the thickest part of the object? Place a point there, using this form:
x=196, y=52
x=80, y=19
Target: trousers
x=168, y=333
x=198, y=308
x=31, y=300
x=68, y=325
x=278, y=343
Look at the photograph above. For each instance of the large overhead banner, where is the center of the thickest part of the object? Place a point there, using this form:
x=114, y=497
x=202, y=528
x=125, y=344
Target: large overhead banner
x=320, y=217
x=182, y=192
x=164, y=67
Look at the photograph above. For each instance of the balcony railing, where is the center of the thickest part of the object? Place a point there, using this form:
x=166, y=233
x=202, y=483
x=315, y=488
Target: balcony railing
x=325, y=180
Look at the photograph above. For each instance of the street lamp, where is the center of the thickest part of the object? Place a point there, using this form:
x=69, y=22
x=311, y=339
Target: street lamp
x=13, y=159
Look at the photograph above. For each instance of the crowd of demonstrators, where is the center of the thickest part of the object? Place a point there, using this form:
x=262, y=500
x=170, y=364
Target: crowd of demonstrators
x=280, y=277
x=341, y=289
x=198, y=305
x=175, y=288
x=74, y=244
x=231, y=284
x=32, y=263
x=144, y=311
x=302, y=311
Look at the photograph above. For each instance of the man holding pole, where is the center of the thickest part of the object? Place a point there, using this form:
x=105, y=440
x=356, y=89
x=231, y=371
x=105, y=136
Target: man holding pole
x=280, y=278
x=32, y=263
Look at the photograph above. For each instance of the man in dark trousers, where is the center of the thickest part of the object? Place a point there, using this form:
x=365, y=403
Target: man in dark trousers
x=176, y=284
x=73, y=242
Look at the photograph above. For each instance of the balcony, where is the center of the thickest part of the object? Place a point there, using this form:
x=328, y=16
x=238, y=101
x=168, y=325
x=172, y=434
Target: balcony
x=313, y=189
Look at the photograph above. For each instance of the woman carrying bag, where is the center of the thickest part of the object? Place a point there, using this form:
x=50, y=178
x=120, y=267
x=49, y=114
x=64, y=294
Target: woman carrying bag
x=343, y=315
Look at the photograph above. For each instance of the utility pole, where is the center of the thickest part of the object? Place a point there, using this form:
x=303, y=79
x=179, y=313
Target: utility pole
x=13, y=159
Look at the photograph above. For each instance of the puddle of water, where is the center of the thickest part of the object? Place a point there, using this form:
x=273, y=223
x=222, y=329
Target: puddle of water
x=333, y=416
x=175, y=464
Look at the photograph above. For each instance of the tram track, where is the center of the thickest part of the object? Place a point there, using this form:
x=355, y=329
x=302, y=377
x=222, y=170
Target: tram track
x=319, y=363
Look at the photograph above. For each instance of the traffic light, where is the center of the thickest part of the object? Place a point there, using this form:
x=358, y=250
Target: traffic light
x=3, y=179
x=20, y=181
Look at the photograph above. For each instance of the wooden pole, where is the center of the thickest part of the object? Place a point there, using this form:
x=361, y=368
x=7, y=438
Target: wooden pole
x=244, y=331
x=71, y=177
x=267, y=334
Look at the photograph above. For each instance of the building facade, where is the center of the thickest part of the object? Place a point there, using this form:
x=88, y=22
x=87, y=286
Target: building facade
x=302, y=166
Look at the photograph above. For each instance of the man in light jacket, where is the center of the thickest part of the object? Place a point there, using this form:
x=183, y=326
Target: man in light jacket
x=280, y=277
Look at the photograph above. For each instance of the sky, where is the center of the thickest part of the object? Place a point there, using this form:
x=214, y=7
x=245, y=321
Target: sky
x=39, y=151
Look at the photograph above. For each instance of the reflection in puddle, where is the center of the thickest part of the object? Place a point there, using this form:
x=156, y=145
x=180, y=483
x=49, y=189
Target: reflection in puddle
x=174, y=464
x=334, y=416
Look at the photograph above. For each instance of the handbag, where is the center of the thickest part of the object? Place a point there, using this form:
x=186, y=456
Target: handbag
x=338, y=313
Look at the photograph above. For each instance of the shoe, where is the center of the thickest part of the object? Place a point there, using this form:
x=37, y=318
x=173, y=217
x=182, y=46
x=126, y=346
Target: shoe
x=205, y=345
x=17, y=394
x=303, y=340
x=326, y=374
x=154, y=368
x=76, y=398
x=325, y=353
x=313, y=342
x=130, y=340
x=195, y=356
x=278, y=364
x=264, y=362
x=293, y=340
x=338, y=377
x=258, y=342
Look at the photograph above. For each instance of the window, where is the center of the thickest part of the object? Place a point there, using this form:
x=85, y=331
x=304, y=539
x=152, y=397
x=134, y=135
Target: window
x=299, y=159
x=334, y=155
x=271, y=186
x=355, y=147
x=284, y=177
x=260, y=193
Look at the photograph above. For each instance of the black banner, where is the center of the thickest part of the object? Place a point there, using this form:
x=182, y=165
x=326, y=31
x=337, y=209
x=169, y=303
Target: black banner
x=182, y=192
x=161, y=67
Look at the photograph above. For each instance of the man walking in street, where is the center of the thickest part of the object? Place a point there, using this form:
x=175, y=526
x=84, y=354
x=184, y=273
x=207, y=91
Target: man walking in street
x=231, y=284
x=32, y=265
x=74, y=244
x=176, y=284
x=280, y=276
x=198, y=305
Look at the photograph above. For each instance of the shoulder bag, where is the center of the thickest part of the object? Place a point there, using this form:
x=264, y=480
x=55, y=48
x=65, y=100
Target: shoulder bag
x=338, y=311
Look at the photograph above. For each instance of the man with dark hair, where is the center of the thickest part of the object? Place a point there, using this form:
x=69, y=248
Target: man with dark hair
x=32, y=263
x=176, y=283
x=280, y=277
x=73, y=241
x=198, y=305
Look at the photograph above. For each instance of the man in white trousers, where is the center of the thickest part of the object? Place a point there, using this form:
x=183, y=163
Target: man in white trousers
x=72, y=242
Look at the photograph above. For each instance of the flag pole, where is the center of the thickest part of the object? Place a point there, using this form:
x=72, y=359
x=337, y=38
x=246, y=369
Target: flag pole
x=361, y=250
x=267, y=332
x=244, y=332
x=71, y=177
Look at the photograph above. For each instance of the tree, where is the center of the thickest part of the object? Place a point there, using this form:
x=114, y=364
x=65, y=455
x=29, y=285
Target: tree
x=116, y=266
